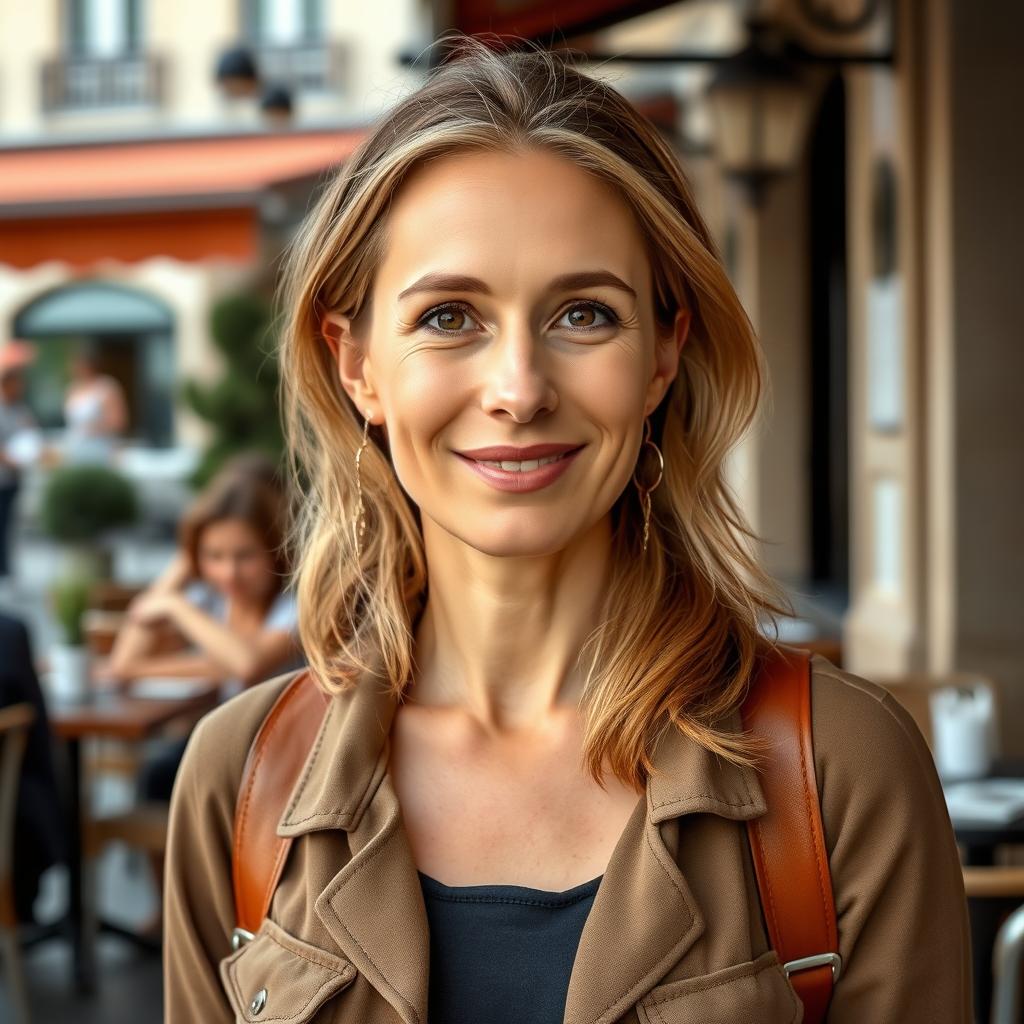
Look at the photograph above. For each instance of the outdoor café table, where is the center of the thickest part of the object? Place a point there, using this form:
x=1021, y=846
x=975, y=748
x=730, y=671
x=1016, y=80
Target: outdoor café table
x=111, y=714
x=979, y=842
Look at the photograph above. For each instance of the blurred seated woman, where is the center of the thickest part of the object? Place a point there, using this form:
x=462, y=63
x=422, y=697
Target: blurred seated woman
x=221, y=609
x=224, y=594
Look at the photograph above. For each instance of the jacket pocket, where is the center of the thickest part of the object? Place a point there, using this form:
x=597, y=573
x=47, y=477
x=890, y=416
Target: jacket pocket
x=278, y=978
x=757, y=992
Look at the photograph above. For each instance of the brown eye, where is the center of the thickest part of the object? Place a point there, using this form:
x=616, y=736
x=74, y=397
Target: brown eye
x=451, y=319
x=587, y=315
x=448, y=320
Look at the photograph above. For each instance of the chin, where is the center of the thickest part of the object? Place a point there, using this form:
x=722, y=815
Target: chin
x=520, y=542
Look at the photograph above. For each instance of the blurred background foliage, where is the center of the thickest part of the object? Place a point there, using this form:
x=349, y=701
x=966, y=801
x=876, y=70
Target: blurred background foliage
x=241, y=408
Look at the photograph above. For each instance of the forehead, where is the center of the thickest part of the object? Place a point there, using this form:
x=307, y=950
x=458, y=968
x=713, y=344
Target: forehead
x=511, y=218
x=227, y=531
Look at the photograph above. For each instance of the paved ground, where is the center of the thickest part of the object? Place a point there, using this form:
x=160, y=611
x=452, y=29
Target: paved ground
x=129, y=990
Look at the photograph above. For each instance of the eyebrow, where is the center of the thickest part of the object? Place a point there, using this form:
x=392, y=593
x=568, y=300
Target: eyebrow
x=566, y=282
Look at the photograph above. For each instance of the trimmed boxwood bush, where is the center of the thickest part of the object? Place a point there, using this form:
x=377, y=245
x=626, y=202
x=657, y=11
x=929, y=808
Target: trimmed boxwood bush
x=241, y=407
x=81, y=502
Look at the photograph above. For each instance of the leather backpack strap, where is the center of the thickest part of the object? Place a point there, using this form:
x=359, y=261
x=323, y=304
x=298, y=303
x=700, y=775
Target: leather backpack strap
x=788, y=842
x=272, y=768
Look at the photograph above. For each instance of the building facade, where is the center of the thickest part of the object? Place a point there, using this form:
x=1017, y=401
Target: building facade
x=879, y=269
x=138, y=183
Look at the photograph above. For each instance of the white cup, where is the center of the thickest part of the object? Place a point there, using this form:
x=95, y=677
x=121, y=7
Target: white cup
x=963, y=731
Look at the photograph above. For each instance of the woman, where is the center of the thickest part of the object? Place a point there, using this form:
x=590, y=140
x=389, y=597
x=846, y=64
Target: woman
x=20, y=440
x=224, y=594
x=528, y=798
x=95, y=410
x=220, y=610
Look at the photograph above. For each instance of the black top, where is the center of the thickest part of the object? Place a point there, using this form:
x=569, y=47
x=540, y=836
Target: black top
x=502, y=953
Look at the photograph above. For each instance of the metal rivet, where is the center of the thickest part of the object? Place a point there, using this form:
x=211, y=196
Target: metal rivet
x=258, y=1002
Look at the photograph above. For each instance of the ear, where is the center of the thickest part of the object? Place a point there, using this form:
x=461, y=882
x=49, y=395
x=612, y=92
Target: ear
x=668, y=349
x=353, y=368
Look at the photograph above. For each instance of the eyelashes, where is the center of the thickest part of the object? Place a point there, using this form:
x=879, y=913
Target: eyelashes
x=611, y=317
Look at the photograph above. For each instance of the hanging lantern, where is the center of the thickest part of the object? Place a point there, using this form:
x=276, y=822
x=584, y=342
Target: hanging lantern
x=759, y=108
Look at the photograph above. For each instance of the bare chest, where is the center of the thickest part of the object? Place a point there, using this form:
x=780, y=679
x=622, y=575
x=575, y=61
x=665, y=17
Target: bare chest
x=519, y=811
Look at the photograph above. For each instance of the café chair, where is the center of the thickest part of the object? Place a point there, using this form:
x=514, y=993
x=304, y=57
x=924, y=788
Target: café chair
x=15, y=721
x=1003, y=882
x=1006, y=967
x=142, y=827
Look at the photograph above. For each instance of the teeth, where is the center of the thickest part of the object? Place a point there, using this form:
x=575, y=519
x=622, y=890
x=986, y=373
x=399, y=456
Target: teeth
x=521, y=467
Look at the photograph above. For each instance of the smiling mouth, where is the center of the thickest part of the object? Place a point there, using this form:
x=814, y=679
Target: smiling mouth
x=526, y=465
x=521, y=475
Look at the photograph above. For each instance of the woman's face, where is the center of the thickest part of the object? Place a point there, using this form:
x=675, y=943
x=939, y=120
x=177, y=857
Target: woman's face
x=82, y=368
x=512, y=309
x=234, y=561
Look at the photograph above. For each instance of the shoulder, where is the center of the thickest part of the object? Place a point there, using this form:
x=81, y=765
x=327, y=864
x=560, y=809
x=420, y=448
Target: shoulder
x=853, y=716
x=873, y=766
x=211, y=767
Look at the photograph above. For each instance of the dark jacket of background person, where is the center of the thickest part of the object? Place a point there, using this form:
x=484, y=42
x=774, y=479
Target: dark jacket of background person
x=39, y=838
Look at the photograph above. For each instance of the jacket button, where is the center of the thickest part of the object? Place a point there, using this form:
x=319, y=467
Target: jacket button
x=258, y=1002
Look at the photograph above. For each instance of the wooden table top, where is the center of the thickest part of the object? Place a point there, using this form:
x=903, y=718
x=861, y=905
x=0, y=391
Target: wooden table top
x=119, y=715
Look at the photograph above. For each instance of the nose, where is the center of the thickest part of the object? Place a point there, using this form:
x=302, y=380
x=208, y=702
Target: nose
x=516, y=380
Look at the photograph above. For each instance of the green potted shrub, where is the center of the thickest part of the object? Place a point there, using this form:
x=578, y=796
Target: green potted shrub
x=69, y=659
x=80, y=505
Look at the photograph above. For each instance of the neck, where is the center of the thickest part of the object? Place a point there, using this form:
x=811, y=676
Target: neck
x=500, y=637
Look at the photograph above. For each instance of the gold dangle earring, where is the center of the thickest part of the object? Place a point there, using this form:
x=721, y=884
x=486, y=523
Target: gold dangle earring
x=358, y=515
x=645, y=492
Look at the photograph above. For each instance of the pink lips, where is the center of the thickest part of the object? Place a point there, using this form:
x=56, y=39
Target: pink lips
x=520, y=481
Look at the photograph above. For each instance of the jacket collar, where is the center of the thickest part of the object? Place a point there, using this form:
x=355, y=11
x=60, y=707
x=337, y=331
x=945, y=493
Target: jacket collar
x=349, y=757
x=373, y=908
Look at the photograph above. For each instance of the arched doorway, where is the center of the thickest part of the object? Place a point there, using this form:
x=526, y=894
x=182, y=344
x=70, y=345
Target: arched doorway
x=132, y=334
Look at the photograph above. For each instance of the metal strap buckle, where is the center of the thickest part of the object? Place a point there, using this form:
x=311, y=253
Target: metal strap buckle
x=239, y=937
x=834, y=960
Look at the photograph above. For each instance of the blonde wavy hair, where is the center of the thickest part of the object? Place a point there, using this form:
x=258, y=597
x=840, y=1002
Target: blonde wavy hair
x=679, y=634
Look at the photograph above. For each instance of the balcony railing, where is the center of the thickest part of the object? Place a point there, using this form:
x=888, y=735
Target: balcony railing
x=87, y=83
x=306, y=67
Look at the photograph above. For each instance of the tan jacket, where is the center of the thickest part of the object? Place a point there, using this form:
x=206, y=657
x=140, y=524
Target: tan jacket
x=675, y=934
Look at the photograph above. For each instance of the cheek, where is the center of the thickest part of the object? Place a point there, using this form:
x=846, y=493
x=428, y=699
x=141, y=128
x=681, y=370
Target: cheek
x=606, y=389
x=426, y=398
x=609, y=397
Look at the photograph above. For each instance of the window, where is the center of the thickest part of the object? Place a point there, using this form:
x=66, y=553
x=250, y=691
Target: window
x=283, y=22
x=103, y=28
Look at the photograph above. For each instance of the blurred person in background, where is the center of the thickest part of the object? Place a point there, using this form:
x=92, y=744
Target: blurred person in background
x=20, y=439
x=224, y=594
x=95, y=410
x=39, y=836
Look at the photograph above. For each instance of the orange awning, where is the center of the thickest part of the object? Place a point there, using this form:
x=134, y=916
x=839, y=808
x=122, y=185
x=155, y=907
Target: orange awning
x=185, y=198
x=545, y=20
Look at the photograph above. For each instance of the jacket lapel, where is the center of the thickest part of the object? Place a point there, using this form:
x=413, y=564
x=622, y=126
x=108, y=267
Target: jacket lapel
x=373, y=907
x=643, y=920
